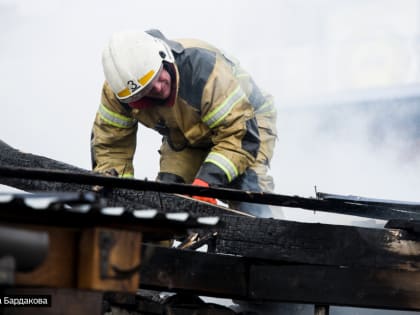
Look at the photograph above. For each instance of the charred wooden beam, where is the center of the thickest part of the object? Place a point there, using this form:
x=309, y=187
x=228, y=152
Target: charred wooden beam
x=401, y=205
x=74, y=177
x=376, y=288
x=320, y=244
x=255, y=280
x=371, y=210
x=130, y=199
x=193, y=272
x=85, y=210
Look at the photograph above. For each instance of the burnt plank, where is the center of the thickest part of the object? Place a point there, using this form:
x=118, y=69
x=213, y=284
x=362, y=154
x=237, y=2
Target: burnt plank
x=321, y=244
x=384, y=212
x=130, y=199
x=396, y=204
x=71, y=176
x=358, y=287
x=63, y=210
x=194, y=272
x=256, y=280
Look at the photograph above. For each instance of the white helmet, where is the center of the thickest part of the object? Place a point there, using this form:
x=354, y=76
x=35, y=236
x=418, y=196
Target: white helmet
x=131, y=61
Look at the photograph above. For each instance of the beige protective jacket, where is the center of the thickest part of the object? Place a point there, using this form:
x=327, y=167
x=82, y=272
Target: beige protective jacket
x=214, y=107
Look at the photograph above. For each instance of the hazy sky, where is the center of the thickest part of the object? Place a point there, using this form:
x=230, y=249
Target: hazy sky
x=300, y=51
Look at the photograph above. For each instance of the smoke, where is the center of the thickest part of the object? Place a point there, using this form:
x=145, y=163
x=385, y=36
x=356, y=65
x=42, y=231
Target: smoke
x=366, y=147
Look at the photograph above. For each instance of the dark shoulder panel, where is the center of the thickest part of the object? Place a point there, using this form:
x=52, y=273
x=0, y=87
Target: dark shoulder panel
x=195, y=66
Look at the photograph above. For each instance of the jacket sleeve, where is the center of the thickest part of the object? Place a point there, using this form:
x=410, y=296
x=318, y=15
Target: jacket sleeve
x=228, y=113
x=113, y=136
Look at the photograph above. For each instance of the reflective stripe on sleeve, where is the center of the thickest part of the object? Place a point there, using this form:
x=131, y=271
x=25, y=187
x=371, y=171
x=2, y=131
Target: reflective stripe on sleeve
x=116, y=119
x=267, y=107
x=223, y=163
x=127, y=175
x=213, y=118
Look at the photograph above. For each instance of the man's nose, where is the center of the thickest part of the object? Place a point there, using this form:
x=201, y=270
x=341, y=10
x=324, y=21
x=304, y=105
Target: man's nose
x=156, y=88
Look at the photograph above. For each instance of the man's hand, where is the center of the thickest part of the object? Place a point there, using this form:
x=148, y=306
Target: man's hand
x=202, y=183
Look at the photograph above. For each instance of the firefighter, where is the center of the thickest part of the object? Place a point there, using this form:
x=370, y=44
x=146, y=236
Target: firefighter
x=218, y=127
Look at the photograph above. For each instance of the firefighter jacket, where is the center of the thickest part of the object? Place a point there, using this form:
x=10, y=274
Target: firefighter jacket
x=213, y=106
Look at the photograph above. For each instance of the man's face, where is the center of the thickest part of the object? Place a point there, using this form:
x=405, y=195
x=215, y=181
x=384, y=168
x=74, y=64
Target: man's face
x=161, y=86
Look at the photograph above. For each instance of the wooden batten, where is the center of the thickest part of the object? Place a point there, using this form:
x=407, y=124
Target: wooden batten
x=124, y=253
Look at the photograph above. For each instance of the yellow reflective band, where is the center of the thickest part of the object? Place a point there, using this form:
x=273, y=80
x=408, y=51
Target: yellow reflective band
x=124, y=93
x=224, y=164
x=217, y=115
x=126, y=175
x=115, y=119
x=146, y=78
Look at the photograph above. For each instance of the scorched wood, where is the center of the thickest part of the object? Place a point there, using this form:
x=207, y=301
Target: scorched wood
x=257, y=280
x=321, y=244
x=116, y=197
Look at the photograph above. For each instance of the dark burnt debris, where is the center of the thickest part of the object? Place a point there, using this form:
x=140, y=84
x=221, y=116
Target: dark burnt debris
x=152, y=249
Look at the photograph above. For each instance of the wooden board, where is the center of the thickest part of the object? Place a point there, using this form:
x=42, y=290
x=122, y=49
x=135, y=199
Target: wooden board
x=196, y=272
x=124, y=254
x=377, y=288
x=321, y=244
x=255, y=280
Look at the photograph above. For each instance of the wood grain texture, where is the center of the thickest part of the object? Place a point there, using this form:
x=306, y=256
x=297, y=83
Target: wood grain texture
x=124, y=254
